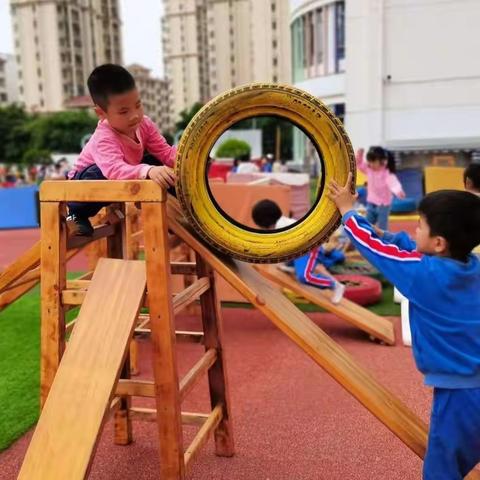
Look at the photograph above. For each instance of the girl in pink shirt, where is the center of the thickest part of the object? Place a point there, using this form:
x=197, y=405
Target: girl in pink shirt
x=382, y=184
x=125, y=145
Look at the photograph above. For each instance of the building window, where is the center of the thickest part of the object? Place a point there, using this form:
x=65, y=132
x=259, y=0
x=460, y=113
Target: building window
x=3, y=97
x=319, y=33
x=339, y=110
x=297, y=50
x=339, y=36
x=274, y=44
x=274, y=25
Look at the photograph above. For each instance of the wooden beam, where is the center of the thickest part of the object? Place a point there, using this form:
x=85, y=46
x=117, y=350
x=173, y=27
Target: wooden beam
x=203, y=434
x=53, y=270
x=137, y=388
x=99, y=231
x=199, y=369
x=150, y=415
x=75, y=296
x=184, y=268
x=23, y=264
x=164, y=356
x=78, y=284
x=101, y=191
x=190, y=294
x=181, y=336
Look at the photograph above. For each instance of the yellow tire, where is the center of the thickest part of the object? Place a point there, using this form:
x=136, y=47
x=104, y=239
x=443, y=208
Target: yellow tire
x=304, y=111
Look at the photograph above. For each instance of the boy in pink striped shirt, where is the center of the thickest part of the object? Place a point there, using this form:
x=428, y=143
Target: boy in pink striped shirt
x=126, y=144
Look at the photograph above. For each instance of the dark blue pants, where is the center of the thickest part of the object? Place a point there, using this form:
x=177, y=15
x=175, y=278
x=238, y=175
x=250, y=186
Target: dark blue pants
x=454, y=438
x=92, y=172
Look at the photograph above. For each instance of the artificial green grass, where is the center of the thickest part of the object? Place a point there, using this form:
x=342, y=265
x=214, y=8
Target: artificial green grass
x=20, y=365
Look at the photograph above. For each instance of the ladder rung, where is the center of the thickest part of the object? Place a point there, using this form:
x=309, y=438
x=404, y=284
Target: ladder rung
x=182, y=336
x=203, y=434
x=150, y=415
x=190, y=294
x=180, y=300
x=184, y=268
x=146, y=388
x=137, y=388
x=202, y=366
x=100, y=231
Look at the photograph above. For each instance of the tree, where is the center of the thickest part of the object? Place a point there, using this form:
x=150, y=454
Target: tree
x=186, y=116
x=62, y=131
x=12, y=144
x=233, y=148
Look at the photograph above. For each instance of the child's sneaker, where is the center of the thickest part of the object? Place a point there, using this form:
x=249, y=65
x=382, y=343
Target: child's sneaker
x=82, y=226
x=338, y=291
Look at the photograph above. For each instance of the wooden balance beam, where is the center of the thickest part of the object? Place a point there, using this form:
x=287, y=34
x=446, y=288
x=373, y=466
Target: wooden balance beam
x=68, y=429
x=376, y=326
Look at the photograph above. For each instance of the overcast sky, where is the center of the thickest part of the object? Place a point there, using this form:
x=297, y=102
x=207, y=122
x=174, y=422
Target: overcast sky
x=141, y=32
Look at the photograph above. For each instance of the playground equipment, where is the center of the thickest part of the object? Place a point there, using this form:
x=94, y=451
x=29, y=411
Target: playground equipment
x=306, y=112
x=82, y=384
x=45, y=455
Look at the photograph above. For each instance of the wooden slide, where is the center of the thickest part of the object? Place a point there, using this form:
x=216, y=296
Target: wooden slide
x=67, y=431
x=393, y=413
x=378, y=327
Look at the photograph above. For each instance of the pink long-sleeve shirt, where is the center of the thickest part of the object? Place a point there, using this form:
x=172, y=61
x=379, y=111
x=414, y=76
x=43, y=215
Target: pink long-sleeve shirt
x=119, y=157
x=382, y=184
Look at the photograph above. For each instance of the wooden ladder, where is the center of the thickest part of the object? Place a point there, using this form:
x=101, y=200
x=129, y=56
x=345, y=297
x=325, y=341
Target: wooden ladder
x=58, y=296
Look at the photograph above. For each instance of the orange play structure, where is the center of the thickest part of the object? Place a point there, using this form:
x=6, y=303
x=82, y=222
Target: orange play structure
x=86, y=380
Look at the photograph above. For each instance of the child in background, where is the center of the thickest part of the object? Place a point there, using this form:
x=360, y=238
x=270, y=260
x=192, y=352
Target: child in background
x=471, y=178
x=125, y=145
x=310, y=269
x=441, y=279
x=382, y=183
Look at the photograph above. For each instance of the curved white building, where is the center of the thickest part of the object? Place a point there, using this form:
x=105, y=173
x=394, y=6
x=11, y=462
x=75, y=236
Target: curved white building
x=403, y=74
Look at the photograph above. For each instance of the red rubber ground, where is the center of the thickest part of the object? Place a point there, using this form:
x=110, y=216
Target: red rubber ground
x=291, y=421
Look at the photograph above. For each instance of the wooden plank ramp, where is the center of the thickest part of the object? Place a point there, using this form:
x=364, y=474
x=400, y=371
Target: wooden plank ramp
x=64, y=440
x=379, y=327
x=382, y=403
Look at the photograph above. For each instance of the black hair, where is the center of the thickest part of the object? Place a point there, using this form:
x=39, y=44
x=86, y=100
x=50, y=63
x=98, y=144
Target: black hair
x=382, y=154
x=266, y=213
x=107, y=80
x=455, y=216
x=472, y=172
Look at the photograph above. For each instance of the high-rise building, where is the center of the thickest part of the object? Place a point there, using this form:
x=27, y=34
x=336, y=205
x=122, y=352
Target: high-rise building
x=389, y=71
x=154, y=94
x=213, y=45
x=58, y=43
x=8, y=80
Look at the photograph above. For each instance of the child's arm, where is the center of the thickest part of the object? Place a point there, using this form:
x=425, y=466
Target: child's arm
x=400, y=266
x=360, y=158
x=395, y=186
x=111, y=161
x=157, y=145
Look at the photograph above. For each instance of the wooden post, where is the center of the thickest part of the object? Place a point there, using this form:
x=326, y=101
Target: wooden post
x=217, y=375
x=116, y=248
x=53, y=277
x=157, y=254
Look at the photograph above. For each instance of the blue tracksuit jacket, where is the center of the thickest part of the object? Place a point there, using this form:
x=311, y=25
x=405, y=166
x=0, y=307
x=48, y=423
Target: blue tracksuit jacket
x=444, y=299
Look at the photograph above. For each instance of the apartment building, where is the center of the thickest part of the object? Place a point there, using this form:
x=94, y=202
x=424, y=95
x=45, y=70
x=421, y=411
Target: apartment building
x=8, y=80
x=154, y=94
x=58, y=43
x=211, y=46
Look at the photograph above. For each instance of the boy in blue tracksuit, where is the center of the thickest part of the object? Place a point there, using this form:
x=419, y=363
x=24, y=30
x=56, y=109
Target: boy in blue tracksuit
x=310, y=269
x=441, y=279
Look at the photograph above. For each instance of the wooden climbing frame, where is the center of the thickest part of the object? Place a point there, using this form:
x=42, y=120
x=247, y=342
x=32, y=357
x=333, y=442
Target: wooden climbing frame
x=58, y=296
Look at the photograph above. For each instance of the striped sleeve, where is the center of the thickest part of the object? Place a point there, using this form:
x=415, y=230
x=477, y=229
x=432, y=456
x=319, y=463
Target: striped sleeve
x=399, y=265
